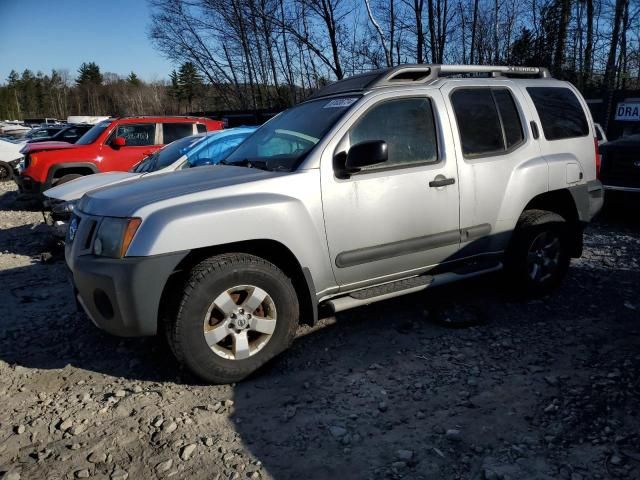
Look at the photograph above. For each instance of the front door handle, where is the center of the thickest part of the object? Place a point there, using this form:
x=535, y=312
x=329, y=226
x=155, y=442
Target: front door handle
x=441, y=181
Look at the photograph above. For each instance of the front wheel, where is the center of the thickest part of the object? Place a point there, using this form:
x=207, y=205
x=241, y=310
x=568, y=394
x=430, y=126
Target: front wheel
x=237, y=312
x=6, y=172
x=66, y=178
x=538, y=258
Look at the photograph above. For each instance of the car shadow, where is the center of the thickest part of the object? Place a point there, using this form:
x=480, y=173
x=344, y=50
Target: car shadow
x=13, y=200
x=36, y=239
x=388, y=392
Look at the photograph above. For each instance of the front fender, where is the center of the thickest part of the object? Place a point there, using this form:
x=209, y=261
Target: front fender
x=295, y=223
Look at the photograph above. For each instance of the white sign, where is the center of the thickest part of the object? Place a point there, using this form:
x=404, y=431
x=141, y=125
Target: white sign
x=628, y=112
x=341, y=102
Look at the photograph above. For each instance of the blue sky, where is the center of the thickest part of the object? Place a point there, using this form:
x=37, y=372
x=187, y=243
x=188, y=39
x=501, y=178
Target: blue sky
x=61, y=34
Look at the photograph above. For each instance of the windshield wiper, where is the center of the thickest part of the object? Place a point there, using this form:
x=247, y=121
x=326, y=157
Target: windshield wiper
x=260, y=164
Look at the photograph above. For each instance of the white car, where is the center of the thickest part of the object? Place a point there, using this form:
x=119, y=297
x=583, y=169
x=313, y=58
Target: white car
x=9, y=157
x=187, y=152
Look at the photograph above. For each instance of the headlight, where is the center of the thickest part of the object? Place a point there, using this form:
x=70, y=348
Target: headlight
x=64, y=207
x=114, y=236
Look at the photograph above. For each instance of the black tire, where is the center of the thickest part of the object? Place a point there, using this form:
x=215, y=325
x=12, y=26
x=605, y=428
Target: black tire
x=66, y=178
x=205, y=283
x=528, y=271
x=6, y=172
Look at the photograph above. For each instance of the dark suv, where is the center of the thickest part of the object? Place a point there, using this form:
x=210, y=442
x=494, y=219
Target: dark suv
x=621, y=164
x=66, y=133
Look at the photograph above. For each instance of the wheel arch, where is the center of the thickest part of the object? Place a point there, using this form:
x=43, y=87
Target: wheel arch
x=60, y=169
x=563, y=203
x=270, y=250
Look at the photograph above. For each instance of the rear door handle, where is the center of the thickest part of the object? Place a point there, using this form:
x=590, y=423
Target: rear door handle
x=534, y=129
x=442, y=182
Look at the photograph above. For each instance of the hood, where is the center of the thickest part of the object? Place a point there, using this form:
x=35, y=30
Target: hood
x=74, y=189
x=9, y=151
x=40, y=146
x=122, y=200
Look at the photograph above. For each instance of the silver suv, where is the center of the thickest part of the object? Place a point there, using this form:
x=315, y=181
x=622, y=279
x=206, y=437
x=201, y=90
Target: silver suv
x=380, y=185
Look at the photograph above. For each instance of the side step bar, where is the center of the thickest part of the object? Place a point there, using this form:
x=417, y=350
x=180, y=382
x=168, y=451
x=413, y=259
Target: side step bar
x=398, y=288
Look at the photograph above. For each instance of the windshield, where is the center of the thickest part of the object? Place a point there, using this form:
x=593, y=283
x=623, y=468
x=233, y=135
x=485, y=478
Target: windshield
x=168, y=155
x=93, y=134
x=283, y=142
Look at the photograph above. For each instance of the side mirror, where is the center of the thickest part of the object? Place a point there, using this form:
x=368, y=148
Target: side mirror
x=360, y=155
x=119, y=142
x=201, y=162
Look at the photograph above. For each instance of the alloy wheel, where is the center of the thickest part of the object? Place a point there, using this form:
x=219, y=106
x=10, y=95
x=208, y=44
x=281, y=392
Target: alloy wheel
x=240, y=322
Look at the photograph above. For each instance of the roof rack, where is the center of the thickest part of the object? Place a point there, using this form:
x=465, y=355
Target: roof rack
x=423, y=74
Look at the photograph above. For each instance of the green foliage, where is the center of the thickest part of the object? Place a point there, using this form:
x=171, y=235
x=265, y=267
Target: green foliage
x=27, y=94
x=186, y=84
x=133, y=79
x=89, y=74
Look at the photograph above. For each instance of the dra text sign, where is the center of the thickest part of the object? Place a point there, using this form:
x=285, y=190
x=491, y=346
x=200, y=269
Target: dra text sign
x=628, y=111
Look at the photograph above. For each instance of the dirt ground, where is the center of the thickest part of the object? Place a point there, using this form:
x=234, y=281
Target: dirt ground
x=462, y=382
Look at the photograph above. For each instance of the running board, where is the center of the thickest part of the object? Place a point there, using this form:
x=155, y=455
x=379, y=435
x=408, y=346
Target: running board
x=398, y=288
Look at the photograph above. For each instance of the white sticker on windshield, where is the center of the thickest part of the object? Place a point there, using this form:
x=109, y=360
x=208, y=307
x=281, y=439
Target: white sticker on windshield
x=341, y=102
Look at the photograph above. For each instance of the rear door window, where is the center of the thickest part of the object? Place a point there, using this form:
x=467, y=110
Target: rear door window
x=560, y=112
x=488, y=121
x=137, y=134
x=174, y=131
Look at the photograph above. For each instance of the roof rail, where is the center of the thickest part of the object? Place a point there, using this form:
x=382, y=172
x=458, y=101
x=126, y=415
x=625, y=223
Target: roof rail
x=422, y=74
x=427, y=73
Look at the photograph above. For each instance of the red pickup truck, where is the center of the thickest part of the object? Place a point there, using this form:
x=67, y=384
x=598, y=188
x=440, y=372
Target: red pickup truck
x=112, y=145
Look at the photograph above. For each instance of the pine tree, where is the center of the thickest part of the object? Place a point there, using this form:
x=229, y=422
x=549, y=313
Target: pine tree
x=89, y=74
x=190, y=83
x=174, y=89
x=133, y=79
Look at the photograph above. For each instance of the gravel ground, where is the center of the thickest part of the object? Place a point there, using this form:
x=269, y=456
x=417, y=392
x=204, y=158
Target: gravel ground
x=461, y=382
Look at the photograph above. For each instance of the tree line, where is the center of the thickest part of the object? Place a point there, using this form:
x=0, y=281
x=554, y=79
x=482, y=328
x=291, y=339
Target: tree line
x=91, y=92
x=254, y=54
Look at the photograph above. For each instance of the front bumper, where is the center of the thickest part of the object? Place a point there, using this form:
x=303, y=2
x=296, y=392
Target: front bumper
x=28, y=185
x=121, y=296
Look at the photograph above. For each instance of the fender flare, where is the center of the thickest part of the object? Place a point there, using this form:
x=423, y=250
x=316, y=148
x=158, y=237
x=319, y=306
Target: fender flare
x=61, y=166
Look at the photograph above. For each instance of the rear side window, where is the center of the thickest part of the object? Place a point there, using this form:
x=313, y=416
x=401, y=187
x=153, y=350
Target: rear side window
x=406, y=125
x=201, y=127
x=560, y=112
x=175, y=131
x=488, y=120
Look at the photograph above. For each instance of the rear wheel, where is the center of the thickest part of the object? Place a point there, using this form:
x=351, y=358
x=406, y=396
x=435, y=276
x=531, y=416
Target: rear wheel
x=539, y=255
x=237, y=312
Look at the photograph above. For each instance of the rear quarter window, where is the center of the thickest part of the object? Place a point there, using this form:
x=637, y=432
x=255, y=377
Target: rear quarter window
x=176, y=131
x=560, y=112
